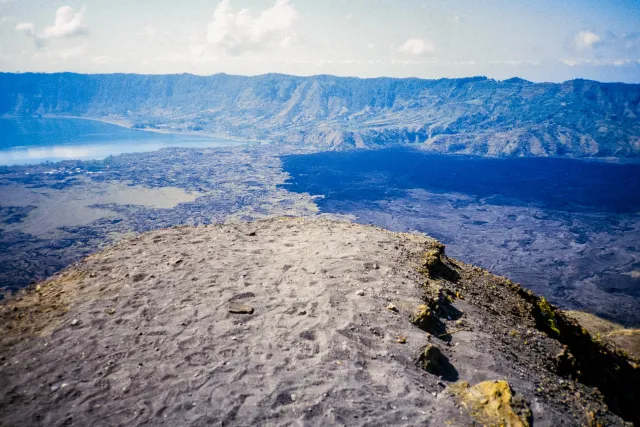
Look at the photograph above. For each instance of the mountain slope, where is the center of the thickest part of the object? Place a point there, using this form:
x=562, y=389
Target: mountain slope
x=298, y=321
x=578, y=118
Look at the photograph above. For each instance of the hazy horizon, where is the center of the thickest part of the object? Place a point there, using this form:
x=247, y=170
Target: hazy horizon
x=319, y=75
x=542, y=41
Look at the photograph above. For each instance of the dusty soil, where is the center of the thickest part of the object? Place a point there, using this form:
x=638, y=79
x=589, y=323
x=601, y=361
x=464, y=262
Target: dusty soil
x=293, y=321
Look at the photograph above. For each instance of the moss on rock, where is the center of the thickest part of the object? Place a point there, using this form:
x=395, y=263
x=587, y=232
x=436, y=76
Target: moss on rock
x=547, y=312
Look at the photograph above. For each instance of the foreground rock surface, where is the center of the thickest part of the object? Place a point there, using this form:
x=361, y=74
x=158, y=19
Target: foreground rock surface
x=287, y=322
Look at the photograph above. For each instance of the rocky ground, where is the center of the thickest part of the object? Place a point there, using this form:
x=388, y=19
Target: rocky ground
x=291, y=321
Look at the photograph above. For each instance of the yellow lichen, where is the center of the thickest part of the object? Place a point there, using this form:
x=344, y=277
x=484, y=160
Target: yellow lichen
x=422, y=317
x=490, y=403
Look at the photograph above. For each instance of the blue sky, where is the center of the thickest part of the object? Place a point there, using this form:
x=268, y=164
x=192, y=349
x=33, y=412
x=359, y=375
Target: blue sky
x=544, y=40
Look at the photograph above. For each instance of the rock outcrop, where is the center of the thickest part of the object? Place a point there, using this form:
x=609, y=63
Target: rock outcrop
x=291, y=320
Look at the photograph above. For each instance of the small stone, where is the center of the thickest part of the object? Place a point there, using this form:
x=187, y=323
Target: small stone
x=293, y=397
x=360, y=292
x=75, y=322
x=240, y=309
x=302, y=313
x=392, y=307
x=376, y=266
x=110, y=311
x=401, y=339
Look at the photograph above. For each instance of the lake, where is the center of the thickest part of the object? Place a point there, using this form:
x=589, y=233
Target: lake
x=28, y=140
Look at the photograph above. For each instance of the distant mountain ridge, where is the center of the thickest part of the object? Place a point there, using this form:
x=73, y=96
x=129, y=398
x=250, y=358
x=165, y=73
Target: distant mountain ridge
x=515, y=117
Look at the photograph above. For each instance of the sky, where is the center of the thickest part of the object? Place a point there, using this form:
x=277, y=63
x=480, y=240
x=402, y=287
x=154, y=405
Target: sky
x=539, y=40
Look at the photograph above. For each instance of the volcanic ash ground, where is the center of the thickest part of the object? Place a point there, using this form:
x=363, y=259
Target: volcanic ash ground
x=293, y=321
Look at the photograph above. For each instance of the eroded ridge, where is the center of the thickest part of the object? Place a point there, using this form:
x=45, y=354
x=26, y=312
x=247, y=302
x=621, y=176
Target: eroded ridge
x=292, y=320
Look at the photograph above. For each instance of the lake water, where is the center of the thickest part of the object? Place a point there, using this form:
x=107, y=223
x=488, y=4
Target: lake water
x=38, y=140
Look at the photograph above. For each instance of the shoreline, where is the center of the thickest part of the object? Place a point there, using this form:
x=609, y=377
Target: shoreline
x=123, y=123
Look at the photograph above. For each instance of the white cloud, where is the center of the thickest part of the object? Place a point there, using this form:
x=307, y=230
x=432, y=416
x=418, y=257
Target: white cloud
x=101, y=60
x=27, y=27
x=61, y=55
x=68, y=23
x=417, y=47
x=586, y=40
x=240, y=32
x=371, y=46
x=5, y=19
x=616, y=62
x=197, y=49
x=150, y=31
x=454, y=19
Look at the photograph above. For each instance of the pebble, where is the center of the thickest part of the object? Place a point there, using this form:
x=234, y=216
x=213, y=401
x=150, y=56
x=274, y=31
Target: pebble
x=240, y=309
x=360, y=292
x=75, y=322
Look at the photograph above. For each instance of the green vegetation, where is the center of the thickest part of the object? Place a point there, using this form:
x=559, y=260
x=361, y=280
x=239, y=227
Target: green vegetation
x=547, y=312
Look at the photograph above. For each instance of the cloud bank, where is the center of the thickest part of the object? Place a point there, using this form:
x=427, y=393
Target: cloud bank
x=417, y=47
x=67, y=24
x=586, y=40
x=239, y=32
